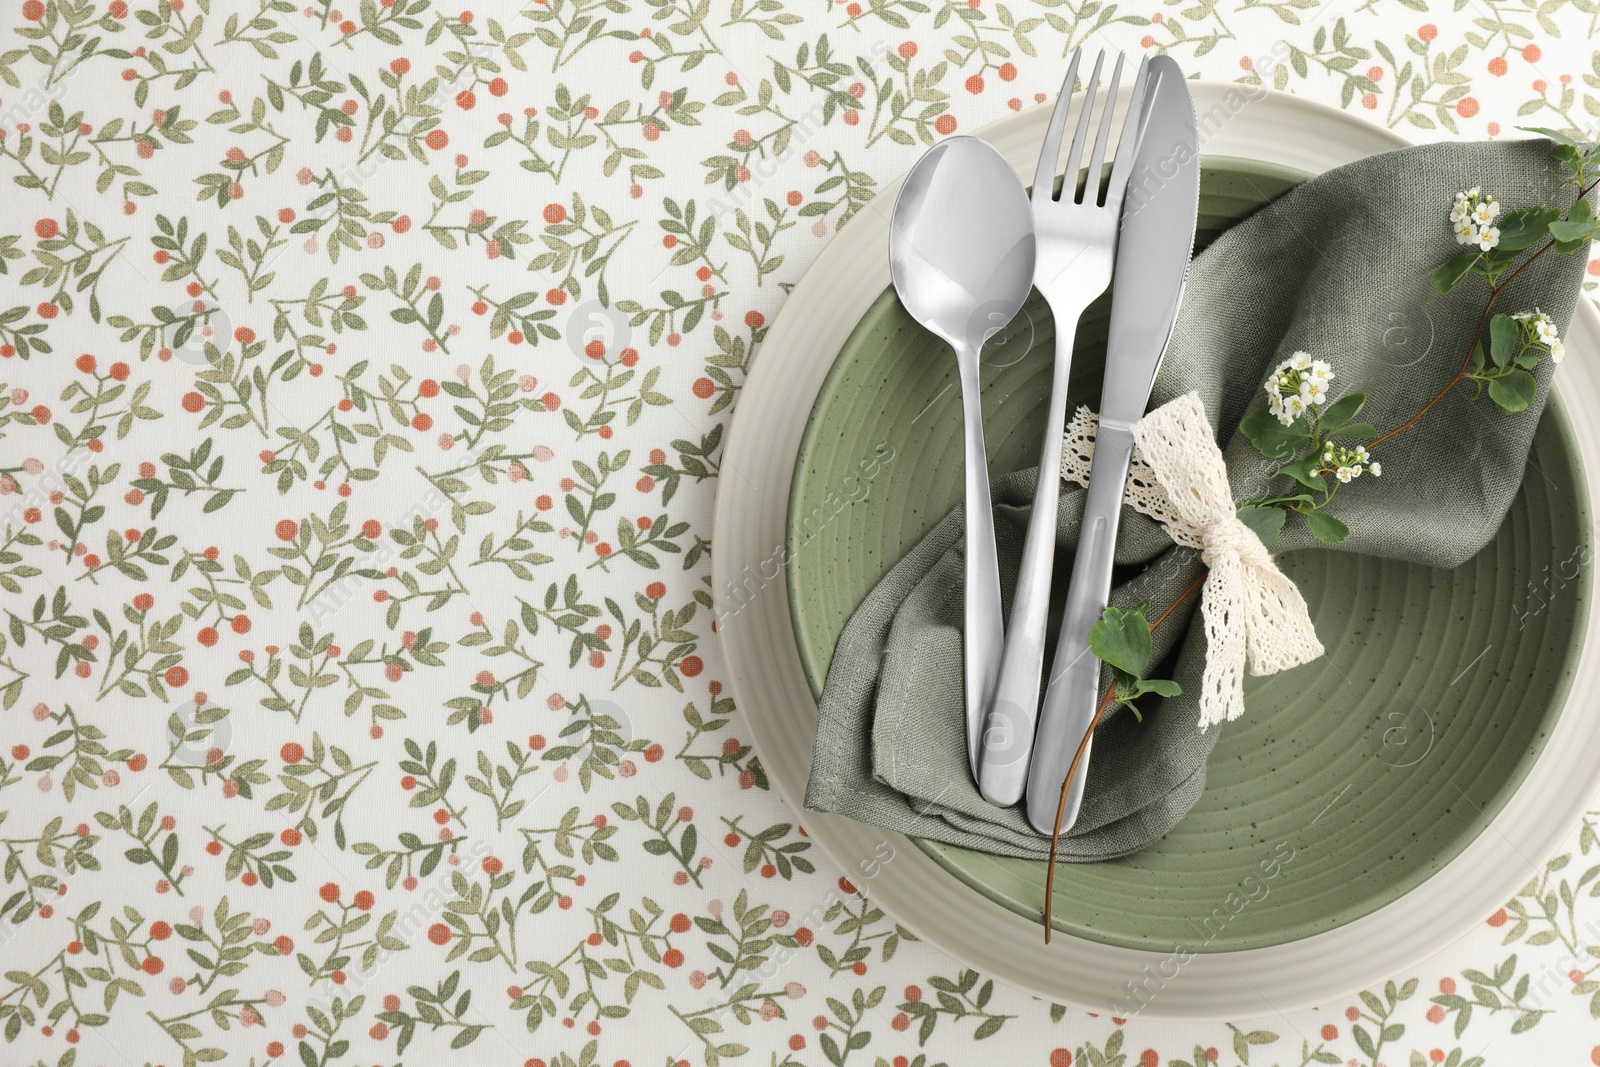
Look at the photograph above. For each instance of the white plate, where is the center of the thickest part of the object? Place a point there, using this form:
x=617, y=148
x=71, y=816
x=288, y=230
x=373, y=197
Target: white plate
x=770, y=687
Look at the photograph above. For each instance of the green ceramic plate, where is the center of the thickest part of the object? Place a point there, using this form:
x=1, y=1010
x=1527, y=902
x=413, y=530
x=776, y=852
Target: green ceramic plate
x=1433, y=679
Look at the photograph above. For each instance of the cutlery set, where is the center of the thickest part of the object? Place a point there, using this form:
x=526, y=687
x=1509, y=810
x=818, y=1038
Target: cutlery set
x=966, y=245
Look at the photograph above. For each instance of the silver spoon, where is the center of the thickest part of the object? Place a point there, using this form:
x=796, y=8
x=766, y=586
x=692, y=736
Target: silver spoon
x=961, y=252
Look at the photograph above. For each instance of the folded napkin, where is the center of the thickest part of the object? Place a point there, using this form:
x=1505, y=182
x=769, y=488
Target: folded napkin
x=1339, y=267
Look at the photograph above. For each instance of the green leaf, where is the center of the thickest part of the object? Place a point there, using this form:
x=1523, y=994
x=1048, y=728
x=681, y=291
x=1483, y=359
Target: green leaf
x=1165, y=687
x=1356, y=430
x=1266, y=522
x=1477, y=360
x=1325, y=527
x=1573, y=229
x=1519, y=229
x=1569, y=157
x=1555, y=135
x=1343, y=410
x=1272, y=438
x=1122, y=639
x=1303, y=471
x=1514, y=392
x=1505, y=336
x=1128, y=683
x=1448, y=276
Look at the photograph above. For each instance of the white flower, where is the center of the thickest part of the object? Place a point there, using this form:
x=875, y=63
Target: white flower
x=1472, y=218
x=1546, y=330
x=1293, y=408
x=1348, y=464
x=1313, y=391
x=1321, y=371
x=1558, y=351
x=1298, y=361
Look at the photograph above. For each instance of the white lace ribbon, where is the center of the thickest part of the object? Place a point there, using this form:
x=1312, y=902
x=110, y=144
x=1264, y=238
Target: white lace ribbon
x=1253, y=613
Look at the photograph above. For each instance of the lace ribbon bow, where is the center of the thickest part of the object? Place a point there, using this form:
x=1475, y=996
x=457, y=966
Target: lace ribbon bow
x=1253, y=613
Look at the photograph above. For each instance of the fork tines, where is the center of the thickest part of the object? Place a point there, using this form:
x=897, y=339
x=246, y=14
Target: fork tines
x=1044, y=185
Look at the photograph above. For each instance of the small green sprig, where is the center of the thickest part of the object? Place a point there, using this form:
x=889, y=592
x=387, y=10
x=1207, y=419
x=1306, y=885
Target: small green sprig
x=1121, y=639
x=1299, y=424
x=1510, y=235
x=1496, y=244
x=1516, y=345
x=1498, y=251
x=1319, y=439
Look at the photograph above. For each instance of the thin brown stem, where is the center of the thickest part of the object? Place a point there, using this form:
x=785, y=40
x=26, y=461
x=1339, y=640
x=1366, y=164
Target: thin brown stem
x=1061, y=808
x=1455, y=379
x=1077, y=757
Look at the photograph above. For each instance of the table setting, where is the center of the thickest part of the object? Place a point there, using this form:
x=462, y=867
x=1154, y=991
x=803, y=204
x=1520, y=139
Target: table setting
x=884, y=750
x=854, y=533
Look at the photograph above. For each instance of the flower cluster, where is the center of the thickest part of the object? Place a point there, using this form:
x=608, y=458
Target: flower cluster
x=1347, y=464
x=1472, y=217
x=1539, y=330
x=1297, y=428
x=1298, y=385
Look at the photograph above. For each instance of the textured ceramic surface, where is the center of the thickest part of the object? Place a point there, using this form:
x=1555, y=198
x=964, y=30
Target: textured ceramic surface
x=769, y=679
x=1432, y=676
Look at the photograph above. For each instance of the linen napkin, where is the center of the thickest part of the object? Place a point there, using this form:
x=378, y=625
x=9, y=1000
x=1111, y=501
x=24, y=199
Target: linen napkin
x=1334, y=267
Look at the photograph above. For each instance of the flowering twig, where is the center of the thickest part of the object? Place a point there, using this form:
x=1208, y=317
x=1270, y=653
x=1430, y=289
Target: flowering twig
x=1515, y=232
x=1298, y=425
x=1505, y=349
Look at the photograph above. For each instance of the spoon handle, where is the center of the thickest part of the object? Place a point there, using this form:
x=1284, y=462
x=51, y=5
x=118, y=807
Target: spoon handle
x=1008, y=735
x=983, y=625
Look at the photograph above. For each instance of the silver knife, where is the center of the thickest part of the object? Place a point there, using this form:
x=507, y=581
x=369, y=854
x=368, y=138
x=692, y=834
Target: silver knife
x=1153, y=251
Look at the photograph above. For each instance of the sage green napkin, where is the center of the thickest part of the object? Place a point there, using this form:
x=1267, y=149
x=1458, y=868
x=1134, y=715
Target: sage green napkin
x=1339, y=267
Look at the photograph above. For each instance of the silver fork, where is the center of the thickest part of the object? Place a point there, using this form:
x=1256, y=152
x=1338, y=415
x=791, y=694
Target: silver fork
x=1076, y=251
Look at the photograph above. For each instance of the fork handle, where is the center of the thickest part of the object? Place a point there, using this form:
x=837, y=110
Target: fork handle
x=1008, y=733
x=983, y=624
x=1070, y=699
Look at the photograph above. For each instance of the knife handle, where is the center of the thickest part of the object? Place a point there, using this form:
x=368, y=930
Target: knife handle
x=1009, y=725
x=1071, y=697
x=983, y=624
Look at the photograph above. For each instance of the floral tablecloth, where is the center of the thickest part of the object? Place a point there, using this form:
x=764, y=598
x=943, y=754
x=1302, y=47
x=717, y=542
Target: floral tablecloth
x=365, y=372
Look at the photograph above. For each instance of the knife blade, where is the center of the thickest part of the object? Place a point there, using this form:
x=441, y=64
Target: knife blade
x=1154, y=247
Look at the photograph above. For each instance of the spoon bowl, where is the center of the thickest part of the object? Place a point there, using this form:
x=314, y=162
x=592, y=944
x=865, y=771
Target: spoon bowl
x=961, y=253
x=961, y=245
